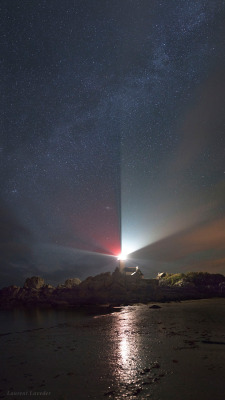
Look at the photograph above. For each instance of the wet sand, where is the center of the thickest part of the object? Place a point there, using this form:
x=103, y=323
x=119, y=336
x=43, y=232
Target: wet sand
x=173, y=352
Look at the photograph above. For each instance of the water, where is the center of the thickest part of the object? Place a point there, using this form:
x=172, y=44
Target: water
x=18, y=320
x=174, y=352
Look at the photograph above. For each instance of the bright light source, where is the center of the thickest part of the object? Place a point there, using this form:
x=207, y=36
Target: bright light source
x=122, y=257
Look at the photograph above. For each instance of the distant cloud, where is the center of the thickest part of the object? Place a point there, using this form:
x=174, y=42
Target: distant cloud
x=214, y=266
x=201, y=247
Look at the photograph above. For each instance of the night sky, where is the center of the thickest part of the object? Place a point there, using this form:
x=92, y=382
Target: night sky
x=112, y=137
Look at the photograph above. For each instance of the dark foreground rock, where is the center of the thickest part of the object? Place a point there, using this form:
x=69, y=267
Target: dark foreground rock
x=105, y=288
x=155, y=306
x=34, y=283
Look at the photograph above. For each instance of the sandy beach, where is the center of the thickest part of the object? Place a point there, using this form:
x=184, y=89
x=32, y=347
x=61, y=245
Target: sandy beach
x=175, y=351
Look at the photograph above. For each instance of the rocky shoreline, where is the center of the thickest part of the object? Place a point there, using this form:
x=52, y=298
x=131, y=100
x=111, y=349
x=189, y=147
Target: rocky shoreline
x=112, y=289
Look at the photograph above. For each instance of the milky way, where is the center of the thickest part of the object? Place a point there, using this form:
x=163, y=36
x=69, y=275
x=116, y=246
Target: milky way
x=112, y=128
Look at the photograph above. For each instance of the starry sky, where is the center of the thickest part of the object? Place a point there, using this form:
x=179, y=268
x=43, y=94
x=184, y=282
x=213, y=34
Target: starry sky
x=112, y=136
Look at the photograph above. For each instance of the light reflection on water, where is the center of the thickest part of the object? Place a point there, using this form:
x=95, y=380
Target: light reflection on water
x=127, y=351
x=124, y=350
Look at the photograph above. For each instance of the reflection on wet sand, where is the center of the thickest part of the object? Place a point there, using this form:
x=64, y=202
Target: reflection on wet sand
x=136, y=368
x=128, y=346
x=173, y=352
x=124, y=350
x=127, y=355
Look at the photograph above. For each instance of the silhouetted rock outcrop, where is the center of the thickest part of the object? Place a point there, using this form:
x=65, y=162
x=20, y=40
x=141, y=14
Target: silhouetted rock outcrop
x=34, y=283
x=10, y=292
x=115, y=288
x=70, y=283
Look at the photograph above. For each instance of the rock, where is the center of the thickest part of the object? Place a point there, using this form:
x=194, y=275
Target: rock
x=8, y=296
x=107, y=288
x=72, y=282
x=48, y=286
x=28, y=295
x=45, y=292
x=222, y=287
x=184, y=284
x=10, y=291
x=155, y=306
x=34, y=283
x=22, y=294
x=97, y=282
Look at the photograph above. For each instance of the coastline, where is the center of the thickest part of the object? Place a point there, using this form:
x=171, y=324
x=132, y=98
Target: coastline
x=173, y=351
x=113, y=289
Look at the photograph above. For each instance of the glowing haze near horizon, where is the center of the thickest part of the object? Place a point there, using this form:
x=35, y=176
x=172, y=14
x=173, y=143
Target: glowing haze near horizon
x=112, y=137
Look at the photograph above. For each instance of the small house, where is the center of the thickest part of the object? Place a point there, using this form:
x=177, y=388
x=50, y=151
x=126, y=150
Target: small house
x=132, y=271
x=161, y=275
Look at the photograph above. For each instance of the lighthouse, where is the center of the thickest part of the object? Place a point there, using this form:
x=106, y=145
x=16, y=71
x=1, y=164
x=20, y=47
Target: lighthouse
x=121, y=259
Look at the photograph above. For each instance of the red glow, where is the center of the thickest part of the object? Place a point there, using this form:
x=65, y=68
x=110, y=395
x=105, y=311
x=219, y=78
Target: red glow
x=95, y=228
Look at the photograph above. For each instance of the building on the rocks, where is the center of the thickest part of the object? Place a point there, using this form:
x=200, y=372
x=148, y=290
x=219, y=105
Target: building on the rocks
x=132, y=271
x=161, y=275
x=128, y=271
